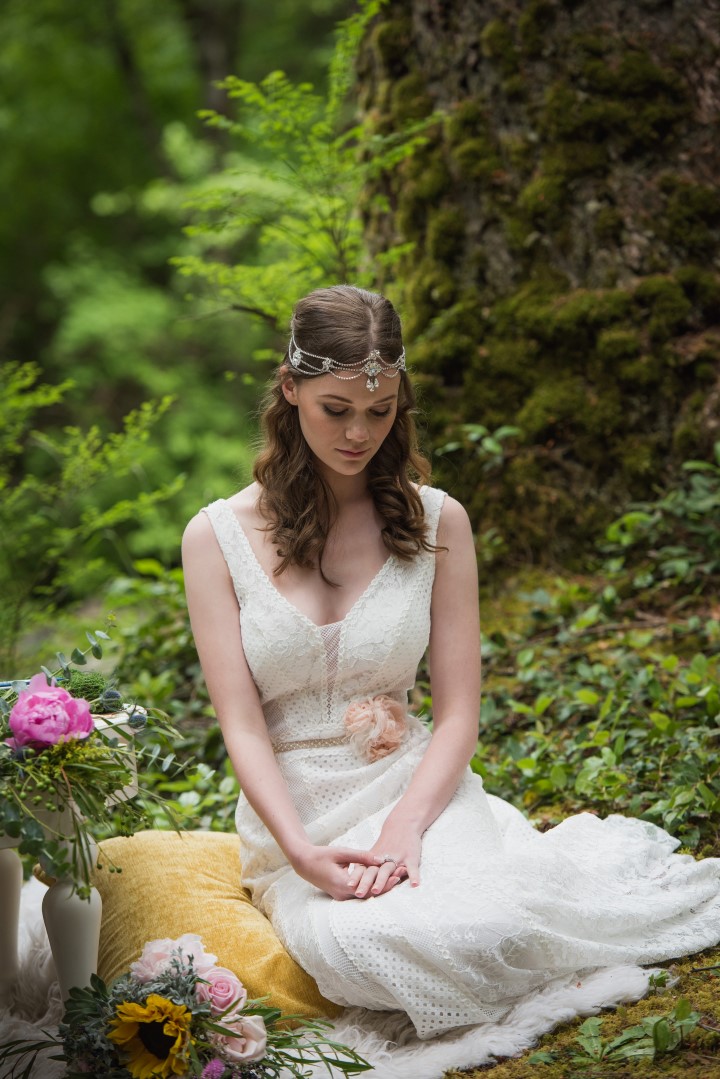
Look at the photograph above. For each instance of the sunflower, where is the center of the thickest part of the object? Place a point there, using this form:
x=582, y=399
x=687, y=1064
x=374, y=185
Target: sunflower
x=154, y=1036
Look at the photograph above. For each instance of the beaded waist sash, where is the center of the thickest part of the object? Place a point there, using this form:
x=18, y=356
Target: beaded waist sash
x=311, y=743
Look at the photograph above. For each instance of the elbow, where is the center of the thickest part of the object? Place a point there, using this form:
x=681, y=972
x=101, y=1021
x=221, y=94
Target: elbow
x=461, y=732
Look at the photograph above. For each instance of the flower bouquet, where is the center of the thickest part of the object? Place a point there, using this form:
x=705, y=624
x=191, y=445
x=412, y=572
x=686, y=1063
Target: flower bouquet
x=176, y=1013
x=68, y=763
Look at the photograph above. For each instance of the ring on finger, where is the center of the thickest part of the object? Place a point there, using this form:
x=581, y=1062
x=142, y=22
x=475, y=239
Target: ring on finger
x=387, y=858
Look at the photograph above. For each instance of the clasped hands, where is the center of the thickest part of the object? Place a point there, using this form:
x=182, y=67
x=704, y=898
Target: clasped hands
x=346, y=873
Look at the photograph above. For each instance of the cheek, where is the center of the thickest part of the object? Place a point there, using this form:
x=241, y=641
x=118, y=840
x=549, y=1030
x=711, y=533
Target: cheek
x=315, y=424
x=387, y=426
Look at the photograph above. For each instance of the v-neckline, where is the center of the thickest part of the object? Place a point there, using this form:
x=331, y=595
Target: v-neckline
x=283, y=598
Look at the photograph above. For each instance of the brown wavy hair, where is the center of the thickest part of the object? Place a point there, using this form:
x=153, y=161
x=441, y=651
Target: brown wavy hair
x=346, y=323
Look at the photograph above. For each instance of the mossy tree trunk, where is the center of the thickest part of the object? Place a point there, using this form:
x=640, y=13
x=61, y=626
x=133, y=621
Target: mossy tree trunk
x=565, y=217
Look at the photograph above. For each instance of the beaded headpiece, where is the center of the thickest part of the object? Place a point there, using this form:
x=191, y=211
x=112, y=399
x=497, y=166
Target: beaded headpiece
x=372, y=366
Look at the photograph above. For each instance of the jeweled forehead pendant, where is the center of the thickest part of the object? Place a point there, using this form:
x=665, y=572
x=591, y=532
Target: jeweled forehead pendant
x=372, y=366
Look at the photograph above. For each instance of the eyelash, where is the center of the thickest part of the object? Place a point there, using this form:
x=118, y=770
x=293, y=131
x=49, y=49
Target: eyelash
x=332, y=412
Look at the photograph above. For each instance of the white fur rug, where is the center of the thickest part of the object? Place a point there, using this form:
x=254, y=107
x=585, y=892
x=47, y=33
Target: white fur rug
x=385, y=1039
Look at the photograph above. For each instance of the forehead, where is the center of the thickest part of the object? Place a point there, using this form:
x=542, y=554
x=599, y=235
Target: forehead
x=351, y=391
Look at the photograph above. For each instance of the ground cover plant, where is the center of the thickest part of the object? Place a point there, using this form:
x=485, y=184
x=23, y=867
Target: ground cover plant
x=606, y=696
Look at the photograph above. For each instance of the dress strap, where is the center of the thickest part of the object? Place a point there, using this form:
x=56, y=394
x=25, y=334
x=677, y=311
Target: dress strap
x=226, y=527
x=432, y=499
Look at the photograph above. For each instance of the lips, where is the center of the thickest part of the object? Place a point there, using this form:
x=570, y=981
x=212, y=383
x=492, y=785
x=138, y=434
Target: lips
x=353, y=454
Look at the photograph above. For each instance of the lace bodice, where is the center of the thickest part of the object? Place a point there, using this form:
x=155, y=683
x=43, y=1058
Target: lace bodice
x=307, y=674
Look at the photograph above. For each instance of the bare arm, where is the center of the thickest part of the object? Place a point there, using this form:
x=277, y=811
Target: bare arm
x=215, y=624
x=455, y=675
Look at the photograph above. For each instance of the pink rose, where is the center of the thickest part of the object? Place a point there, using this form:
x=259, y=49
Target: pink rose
x=247, y=1044
x=222, y=989
x=45, y=715
x=376, y=725
x=157, y=956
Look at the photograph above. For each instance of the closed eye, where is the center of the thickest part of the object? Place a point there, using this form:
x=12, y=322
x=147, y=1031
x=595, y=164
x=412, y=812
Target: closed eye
x=341, y=411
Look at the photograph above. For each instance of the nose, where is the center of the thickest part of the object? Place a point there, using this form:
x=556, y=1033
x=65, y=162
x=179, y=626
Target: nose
x=356, y=431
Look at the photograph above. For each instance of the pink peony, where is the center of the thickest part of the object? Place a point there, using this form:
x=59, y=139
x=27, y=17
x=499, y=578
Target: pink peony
x=376, y=725
x=247, y=1044
x=157, y=956
x=45, y=715
x=222, y=989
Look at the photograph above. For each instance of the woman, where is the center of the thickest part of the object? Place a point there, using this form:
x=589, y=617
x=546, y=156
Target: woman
x=384, y=867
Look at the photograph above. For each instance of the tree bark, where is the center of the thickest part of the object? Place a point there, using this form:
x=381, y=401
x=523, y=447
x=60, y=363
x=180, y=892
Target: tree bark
x=565, y=216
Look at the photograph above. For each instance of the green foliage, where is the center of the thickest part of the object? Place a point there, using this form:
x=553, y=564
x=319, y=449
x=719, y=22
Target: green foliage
x=59, y=512
x=288, y=201
x=653, y=1036
x=608, y=696
x=159, y=665
x=672, y=542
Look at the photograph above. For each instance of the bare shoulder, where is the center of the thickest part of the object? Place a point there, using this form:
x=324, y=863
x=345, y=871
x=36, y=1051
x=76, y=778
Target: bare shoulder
x=244, y=505
x=199, y=531
x=454, y=525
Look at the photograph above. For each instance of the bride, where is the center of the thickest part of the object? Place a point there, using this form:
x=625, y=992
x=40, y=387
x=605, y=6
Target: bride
x=386, y=870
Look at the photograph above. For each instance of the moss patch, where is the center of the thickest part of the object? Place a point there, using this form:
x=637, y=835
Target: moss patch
x=698, y=1058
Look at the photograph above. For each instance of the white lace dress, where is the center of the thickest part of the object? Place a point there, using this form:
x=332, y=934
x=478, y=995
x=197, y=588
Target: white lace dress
x=502, y=910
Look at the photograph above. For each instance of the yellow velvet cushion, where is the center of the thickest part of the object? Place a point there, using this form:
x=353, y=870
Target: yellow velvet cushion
x=189, y=882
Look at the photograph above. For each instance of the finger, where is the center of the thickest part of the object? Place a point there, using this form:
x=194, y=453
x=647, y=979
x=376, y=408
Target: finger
x=413, y=873
x=347, y=855
x=366, y=882
x=392, y=881
x=383, y=876
x=355, y=872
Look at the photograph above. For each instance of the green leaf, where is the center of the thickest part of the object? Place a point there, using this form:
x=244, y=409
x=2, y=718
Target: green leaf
x=589, y=1037
x=78, y=657
x=558, y=777
x=543, y=703
x=661, y=1036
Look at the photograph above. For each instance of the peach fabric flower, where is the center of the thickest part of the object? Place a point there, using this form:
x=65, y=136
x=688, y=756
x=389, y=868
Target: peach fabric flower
x=376, y=725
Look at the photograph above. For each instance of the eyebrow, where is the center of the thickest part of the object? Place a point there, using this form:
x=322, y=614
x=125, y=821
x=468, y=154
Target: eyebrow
x=347, y=401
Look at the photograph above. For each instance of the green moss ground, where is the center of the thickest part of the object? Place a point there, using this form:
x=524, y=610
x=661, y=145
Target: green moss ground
x=698, y=1058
